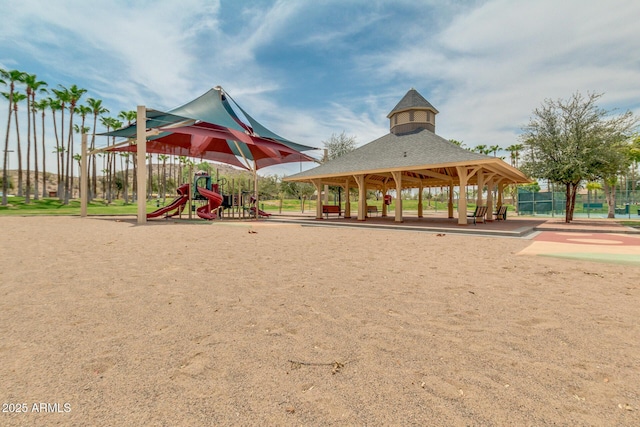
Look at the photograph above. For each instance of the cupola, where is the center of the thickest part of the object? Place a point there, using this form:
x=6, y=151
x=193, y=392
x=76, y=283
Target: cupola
x=412, y=113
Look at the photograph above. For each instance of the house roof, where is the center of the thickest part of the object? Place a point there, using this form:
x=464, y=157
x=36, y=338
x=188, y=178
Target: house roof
x=412, y=101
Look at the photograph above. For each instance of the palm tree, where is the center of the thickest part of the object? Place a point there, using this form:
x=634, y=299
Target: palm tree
x=78, y=157
x=12, y=77
x=98, y=110
x=17, y=98
x=107, y=122
x=130, y=116
x=33, y=86
x=111, y=124
x=125, y=186
x=514, y=150
x=83, y=111
x=494, y=149
x=42, y=106
x=62, y=96
x=75, y=93
x=480, y=149
x=164, y=158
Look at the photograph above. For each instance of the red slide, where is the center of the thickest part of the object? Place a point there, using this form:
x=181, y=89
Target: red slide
x=210, y=210
x=260, y=212
x=177, y=204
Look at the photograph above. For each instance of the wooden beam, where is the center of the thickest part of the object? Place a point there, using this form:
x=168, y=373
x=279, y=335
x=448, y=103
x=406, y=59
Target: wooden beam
x=317, y=183
x=397, y=177
x=141, y=142
x=84, y=175
x=463, y=175
x=362, y=197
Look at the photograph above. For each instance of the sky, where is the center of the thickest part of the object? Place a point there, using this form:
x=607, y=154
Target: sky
x=308, y=69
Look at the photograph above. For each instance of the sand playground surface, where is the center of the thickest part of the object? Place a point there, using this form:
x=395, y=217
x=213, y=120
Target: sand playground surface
x=106, y=323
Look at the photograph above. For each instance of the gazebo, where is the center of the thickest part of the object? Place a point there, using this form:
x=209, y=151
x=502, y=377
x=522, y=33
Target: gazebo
x=412, y=156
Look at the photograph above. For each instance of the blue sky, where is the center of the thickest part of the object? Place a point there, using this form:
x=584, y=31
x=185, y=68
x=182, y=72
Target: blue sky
x=309, y=69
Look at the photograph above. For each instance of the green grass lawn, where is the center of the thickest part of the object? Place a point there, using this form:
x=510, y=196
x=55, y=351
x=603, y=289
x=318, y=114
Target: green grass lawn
x=53, y=206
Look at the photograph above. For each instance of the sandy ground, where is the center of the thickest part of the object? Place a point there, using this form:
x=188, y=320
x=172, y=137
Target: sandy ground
x=194, y=324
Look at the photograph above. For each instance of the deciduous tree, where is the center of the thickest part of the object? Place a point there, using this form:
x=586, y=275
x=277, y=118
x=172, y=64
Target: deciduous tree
x=568, y=141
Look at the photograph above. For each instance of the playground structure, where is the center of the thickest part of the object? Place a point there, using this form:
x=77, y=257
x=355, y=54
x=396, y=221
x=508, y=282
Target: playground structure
x=208, y=202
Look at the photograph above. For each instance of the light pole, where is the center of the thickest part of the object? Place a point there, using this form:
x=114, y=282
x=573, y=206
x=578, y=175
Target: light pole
x=8, y=158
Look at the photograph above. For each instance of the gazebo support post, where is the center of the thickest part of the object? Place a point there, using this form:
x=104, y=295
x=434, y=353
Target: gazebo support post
x=326, y=194
x=397, y=177
x=385, y=189
x=347, y=199
x=362, y=197
x=500, y=191
x=479, y=198
x=489, y=200
x=141, y=142
x=450, y=204
x=463, y=175
x=420, y=211
x=318, y=185
x=84, y=174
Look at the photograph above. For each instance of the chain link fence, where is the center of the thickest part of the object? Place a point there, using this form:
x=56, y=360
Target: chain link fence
x=589, y=204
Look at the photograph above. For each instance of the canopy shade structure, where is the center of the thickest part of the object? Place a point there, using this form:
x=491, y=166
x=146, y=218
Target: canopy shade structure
x=208, y=128
x=209, y=142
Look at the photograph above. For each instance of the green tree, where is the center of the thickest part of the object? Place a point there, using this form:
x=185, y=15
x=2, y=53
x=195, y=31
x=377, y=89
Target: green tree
x=74, y=93
x=339, y=145
x=494, y=149
x=17, y=98
x=11, y=78
x=62, y=99
x=129, y=117
x=56, y=105
x=299, y=190
x=163, y=158
x=33, y=86
x=514, y=151
x=42, y=106
x=568, y=141
x=458, y=143
x=97, y=110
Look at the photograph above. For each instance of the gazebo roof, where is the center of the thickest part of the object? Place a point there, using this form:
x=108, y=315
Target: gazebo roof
x=410, y=150
x=412, y=101
x=424, y=159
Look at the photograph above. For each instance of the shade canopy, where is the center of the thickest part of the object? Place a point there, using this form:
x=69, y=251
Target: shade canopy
x=209, y=128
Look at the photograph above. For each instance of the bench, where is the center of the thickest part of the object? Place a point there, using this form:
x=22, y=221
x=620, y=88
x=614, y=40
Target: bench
x=622, y=211
x=372, y=209
x=478, y=214
x=501, y=213
x=592, y=205
x=328, y=209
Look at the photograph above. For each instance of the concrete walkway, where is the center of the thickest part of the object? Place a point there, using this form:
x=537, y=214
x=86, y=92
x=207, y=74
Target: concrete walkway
x=522, y=227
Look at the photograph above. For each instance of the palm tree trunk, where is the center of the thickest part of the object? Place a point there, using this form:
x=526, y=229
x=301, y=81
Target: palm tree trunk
x=27, y=196
x=5, y=176
x=36, y=187
x=20, y=192
x=93, y=169
x=68, y=183
x=135, y=178
x=44, y=162
x=61, y=173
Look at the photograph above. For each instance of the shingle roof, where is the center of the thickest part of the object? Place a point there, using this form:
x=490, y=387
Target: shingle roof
x=392, y=151
x=412, y=100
